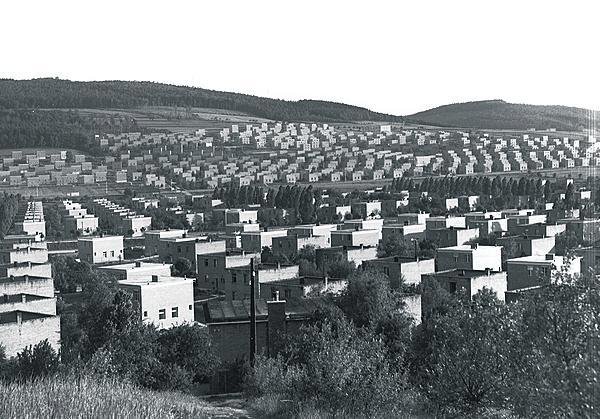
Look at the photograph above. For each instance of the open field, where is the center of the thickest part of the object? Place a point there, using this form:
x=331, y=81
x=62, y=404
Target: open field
x=54, y=191
x=178, y=119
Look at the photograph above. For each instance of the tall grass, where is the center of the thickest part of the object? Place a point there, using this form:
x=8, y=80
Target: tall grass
x=86, y=397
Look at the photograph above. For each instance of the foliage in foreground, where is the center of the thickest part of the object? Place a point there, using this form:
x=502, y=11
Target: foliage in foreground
x=471, y=357
x=73, y=396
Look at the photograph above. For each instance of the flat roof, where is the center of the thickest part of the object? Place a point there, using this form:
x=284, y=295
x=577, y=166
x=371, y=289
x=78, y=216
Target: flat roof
x=162, y=280
x=133, y=266
x=95, y=238
x=464, y=273
x=538, y=259
x=465, y=247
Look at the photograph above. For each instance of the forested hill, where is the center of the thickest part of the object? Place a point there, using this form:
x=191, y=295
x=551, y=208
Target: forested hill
x=498, y=114
x=56, y=93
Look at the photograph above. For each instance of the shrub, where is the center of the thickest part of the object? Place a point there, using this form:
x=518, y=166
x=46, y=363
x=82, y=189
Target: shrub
x=36, y=361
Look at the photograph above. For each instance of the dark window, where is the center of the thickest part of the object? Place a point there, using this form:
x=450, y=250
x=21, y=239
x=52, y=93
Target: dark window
x=190, y=307
x=452, y=287
x=233, y=278
x=175, y=312
x=145, y=314
x=162, y=314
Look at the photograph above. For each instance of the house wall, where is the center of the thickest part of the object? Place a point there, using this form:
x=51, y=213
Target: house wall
x=16, y=336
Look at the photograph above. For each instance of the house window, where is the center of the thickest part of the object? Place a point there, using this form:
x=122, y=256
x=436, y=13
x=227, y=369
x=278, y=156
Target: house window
x=190, y=307
x=386, y=270
x=112, y=253
x=215, y=263
x=104, y=254
x=288, y=294
x=530, y=271
x=452, y=287
x=145, y=314
x=205, y=262
x=233, y=278
x=175, y=312
x=162, y=314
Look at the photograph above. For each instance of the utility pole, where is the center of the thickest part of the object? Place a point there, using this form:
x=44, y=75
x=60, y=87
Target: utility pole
x=252, y=315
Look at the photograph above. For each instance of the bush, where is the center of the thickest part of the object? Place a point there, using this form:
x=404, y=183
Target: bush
x=37, y=361
x=335, y=368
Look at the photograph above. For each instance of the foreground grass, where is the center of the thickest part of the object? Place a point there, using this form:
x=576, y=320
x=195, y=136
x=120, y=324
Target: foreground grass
x=85, y=397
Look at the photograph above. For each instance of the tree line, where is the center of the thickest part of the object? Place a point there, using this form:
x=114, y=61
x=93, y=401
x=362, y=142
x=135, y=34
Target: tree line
x=21, y=128
x=56, y=93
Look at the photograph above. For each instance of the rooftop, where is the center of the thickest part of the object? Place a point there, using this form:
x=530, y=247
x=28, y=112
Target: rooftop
x=219, y=311
x=155, y=280
x=463, y=273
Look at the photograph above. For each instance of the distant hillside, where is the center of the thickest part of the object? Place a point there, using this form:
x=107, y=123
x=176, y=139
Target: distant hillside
x=56, y=93
x=498, y=114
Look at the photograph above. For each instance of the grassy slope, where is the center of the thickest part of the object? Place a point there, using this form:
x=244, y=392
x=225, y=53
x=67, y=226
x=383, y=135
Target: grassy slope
x=86, y=397
x=497, y=114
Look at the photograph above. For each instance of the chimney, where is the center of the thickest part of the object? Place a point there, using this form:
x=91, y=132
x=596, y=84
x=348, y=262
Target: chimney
x=154, y=278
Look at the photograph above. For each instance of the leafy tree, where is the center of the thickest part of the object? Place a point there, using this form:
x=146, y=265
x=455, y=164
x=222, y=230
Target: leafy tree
x=368, y=298
x=470, y=351
x=557, y=370
x=394, y=246
x=69, y=274
x=188, y=347
x=182, y=266
x=340, y=269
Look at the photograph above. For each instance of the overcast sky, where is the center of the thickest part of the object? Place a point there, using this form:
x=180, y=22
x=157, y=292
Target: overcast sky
x=397, y=57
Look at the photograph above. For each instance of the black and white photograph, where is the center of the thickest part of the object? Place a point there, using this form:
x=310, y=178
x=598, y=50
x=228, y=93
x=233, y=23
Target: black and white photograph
x=299, y=209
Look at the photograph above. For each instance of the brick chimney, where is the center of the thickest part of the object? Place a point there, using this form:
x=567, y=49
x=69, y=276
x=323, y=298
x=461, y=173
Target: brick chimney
x=276, y=324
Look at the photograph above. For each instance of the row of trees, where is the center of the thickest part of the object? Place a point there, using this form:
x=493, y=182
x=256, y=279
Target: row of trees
x=9, y=206
x=537, y=357
x=302, y=202
x=452, y=186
